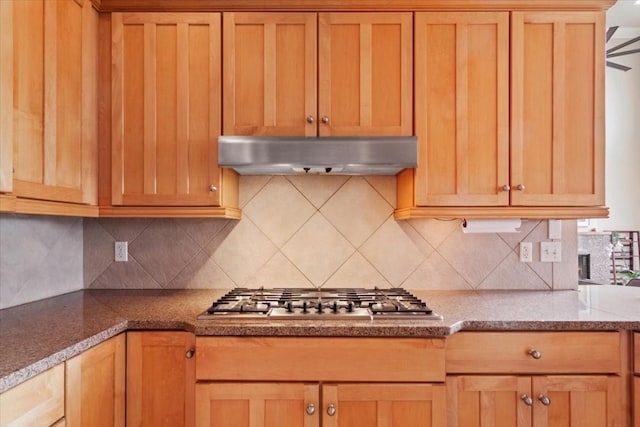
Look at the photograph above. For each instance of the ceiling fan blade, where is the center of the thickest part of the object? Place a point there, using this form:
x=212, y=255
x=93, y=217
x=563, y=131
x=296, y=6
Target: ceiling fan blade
x=610, y=32
x=626, y=52
x=621, y=45
x=618, y=66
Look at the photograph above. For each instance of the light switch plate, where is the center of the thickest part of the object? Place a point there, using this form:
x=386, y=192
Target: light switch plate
x=550, y=251
x=555, y=229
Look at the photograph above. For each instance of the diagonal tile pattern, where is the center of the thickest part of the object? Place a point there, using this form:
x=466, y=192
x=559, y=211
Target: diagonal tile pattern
x=333, y=231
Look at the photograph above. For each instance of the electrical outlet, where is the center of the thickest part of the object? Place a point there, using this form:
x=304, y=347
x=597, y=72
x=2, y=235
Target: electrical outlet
x=526, y=252
x=550, y=251
x=122, y=252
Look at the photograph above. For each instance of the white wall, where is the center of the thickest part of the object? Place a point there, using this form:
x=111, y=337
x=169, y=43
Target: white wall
x=623, y=125
x=623, y=144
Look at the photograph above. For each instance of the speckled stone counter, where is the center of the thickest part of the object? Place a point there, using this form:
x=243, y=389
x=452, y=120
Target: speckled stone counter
x=37, y=336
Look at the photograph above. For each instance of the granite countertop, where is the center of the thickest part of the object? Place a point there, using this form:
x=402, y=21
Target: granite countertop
x=39, y=335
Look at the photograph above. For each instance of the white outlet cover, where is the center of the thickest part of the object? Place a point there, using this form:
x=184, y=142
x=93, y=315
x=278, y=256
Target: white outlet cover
x=526, y=252
x=550, y=251
x=121, y=252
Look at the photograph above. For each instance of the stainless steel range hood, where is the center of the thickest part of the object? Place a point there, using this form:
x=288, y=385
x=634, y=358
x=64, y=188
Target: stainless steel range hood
x=266, y=155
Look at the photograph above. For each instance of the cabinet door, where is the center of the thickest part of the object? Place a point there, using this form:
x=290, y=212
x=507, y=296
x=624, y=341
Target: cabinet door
x=160, y=379
x=365, y=73
x=95, y=386
x=37, y=401
x=54, y=101
x=6, y=96
x=636, y=400
x=489, y=401
x=270, y=73
x=557, y=108
x=166, y=109
x=577, y=401
x=462, y=113
x=369, y=405
x=257, y=405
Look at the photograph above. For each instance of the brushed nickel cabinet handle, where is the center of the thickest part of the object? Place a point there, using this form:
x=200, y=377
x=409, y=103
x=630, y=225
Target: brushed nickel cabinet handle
x=310, y=119
x=544, y=400
x=506, y=187
x=213, y=188
x=311, y=409
x=190, y=353
x=331, y=410
x=520, y=187
x=526, y=399
x=325, y=119
x=535, y=354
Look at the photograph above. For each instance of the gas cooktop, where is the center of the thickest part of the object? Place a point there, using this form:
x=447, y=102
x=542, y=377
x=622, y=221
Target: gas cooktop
x=320, y=304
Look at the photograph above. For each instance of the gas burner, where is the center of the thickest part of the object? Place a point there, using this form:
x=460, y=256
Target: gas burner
x=322, y=304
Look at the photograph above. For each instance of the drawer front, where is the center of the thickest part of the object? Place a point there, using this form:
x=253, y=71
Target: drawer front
x=38, y=401
x=636, y=352
x=533, y=352
x=319, y=359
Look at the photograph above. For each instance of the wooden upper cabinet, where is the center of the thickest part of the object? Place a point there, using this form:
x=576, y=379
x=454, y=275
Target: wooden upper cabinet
x=269, y=73
x=165, y=109
x=365, y=74
x=462, y=109
x=557, y=108
x=6, y=97
x=160, y=379
x=360, y=84
x=54, y=98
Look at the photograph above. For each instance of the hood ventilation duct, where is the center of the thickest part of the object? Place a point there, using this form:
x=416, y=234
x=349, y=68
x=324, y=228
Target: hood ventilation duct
x=266, y=155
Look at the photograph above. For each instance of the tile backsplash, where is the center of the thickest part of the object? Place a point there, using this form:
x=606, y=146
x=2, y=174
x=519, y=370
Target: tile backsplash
x=333, y=231
x=40, y=257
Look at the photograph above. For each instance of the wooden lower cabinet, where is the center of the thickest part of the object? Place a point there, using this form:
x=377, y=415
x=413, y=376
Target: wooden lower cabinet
x=225, y=404
x=636, y=401
x=160, y=379
x=538, y=401
x=37, y=401
x=95, y=386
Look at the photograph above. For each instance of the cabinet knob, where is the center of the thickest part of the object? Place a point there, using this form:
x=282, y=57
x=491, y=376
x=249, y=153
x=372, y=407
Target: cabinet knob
x=535, y=354
x=506, y=187
x=190, y=353
x=311, y=409
x=520, y=187
x=325, y=119
x=544, y=400
x=526, y=399
x=310, y=119
x=213, y=188
x=331, y=410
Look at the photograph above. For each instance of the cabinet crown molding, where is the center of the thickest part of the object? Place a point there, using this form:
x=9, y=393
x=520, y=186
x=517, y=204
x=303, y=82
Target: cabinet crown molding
x=344, y=5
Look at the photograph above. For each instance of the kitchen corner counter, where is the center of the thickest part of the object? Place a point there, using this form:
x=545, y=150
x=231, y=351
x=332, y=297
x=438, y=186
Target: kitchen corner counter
x=39, y=335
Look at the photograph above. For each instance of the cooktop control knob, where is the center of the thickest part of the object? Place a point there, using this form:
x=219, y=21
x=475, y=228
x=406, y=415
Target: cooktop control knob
x=350, y=307
x=289, y=307
x=304, y=307
x=334, y=307
x=319, y=307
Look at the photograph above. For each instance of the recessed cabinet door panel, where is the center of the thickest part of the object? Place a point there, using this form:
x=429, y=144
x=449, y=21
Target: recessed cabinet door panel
x=489, y=401
x=270, y=73
x=257, y=404
x=160, y=379
x=365, y=74
x=557, y=109
x=371, y=405
x=461, y=91
x=577, y=401
x=166, y=109
x=54, y=101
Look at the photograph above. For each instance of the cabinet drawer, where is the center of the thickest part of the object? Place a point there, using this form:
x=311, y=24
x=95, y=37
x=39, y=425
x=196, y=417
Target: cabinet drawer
x=509, y=352
x=319, y=359
x=636, y=352
x=38, y=401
